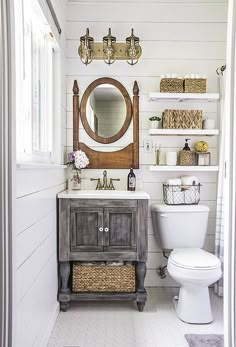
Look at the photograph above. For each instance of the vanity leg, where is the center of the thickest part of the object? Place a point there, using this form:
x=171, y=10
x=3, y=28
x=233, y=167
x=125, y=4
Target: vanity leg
x=64, y=291
x=140, y=277
x=140, y=305
x=65, y=274
x=64, y=306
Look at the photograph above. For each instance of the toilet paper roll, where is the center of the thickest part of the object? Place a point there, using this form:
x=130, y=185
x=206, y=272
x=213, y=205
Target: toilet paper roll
x=189, y=180
x=174, y=182
x=171, y=158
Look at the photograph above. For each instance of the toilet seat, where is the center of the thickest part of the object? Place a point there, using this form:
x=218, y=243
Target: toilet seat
x=194, y=259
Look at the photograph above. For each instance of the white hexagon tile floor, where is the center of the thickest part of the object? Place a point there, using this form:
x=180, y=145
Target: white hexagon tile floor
x=119, y=324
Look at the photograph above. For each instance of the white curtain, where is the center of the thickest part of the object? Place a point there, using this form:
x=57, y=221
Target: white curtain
x=7, y=170
x=219, y=238
x=230, y=183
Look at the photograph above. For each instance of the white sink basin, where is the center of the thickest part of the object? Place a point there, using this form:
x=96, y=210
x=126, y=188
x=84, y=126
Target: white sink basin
x=103, y=194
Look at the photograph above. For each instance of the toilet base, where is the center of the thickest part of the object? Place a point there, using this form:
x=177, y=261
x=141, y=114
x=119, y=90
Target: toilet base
x=193, y=306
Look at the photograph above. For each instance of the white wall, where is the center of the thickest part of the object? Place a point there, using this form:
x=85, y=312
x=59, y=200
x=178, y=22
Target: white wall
x=36, y=226
x=176, y=36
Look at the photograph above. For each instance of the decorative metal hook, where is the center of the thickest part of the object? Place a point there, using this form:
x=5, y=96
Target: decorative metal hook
x=220, y=70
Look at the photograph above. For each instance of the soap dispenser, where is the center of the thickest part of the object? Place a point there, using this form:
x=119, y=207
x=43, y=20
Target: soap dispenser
x=131, y=180
x=186, y=156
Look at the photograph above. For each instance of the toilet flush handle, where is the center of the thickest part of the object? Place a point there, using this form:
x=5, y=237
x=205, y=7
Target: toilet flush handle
x=163, y=215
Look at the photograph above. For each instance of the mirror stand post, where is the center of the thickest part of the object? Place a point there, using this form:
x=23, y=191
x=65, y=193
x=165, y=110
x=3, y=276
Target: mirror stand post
x=75, y=116
x=136, y=125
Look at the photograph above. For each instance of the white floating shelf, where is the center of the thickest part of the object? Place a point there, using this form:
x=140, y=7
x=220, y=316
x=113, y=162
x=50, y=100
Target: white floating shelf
x=186, y=132
x=183, y=168
x=184, y=96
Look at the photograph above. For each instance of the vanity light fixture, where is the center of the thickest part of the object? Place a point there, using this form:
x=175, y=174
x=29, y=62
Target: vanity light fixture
x=109, y=50
x=133, y=50
x=86, y=48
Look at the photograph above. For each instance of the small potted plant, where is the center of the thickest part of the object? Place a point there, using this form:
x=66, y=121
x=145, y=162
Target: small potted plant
x=155, y=122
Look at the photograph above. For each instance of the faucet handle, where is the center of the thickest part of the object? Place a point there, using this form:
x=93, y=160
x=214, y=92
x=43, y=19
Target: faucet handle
x=99, y=186
x=111, y=185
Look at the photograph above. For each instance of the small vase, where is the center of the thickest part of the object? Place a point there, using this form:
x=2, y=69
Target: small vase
x=155, y=124
x=74, y=181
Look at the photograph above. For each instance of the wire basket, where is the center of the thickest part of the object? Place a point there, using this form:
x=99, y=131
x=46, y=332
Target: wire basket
x=181, y=195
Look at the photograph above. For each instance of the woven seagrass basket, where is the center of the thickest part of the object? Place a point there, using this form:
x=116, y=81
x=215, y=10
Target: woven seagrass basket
x=186, y=158
x=103, y=278
x=172, y=85
x=195, y=85
x=182, y=119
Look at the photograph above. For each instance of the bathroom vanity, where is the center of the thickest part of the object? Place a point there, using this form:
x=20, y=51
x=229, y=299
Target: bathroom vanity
x=102, y=226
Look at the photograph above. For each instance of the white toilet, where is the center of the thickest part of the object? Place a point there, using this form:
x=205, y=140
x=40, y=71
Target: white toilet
x=182, y=229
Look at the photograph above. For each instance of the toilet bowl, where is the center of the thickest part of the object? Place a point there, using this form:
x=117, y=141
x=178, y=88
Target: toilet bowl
x=194, y=269
x=182, y=229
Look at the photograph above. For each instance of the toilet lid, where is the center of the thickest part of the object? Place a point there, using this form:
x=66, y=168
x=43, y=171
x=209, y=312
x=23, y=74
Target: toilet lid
x=194, y=258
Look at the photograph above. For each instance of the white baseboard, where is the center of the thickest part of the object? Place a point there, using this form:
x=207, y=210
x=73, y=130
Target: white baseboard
x=50, y=327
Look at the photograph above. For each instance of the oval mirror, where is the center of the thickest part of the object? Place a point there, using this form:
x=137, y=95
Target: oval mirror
x=106, y=110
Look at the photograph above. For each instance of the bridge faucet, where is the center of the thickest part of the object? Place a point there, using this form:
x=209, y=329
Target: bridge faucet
x=104, y=185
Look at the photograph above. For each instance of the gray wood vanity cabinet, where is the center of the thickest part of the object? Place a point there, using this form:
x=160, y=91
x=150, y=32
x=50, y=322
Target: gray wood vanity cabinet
x=102, y=226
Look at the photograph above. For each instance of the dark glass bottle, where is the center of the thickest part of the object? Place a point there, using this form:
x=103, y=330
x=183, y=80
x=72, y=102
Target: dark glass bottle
x=131, y=180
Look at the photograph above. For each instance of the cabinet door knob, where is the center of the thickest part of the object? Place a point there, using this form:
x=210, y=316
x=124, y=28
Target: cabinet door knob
x=101, y=229
x=106, y=230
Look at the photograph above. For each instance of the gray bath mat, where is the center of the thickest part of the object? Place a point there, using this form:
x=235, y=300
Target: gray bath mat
x=211, y=340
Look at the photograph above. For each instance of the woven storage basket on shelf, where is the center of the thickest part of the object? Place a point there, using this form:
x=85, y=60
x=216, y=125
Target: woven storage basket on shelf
x=172, y=85
x=182, y=119
x=195, y=85
x=88, y=278
x=186, y=158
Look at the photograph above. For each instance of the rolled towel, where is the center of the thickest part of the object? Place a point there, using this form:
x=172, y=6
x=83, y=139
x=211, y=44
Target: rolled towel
x=189, y=180
x=114, y=263
x=93, y=263
x=174, y=182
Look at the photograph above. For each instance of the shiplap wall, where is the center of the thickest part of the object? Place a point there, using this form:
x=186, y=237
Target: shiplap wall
x=176, y=36
x=36, y=227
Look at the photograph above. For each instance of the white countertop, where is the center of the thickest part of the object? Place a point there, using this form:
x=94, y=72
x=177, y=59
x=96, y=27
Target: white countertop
x=103, y=194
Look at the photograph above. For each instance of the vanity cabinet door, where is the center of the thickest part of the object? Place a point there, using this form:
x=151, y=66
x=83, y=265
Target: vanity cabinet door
x=119, y=229
x=86, y=229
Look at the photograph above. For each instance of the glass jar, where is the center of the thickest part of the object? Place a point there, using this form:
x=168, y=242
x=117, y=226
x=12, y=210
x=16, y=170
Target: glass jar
x=74, y=181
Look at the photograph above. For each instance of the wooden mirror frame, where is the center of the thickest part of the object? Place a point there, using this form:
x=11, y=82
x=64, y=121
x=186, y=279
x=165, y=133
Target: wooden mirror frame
x=128, y=104
x=121, y=159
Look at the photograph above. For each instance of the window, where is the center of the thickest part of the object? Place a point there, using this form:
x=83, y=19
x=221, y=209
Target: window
x=35, y=50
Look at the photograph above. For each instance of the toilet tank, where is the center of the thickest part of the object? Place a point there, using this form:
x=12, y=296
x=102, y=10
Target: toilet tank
x=180, y=226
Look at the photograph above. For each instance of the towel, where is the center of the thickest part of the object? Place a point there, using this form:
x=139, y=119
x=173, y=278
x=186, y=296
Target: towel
x=174, y=182
x=189, y=180
x=114, y=263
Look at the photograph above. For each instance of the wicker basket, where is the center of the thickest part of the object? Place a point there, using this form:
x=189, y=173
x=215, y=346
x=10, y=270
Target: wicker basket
x=182, y=119
x=103, y=278
x=195, y=85
x=172, y=85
